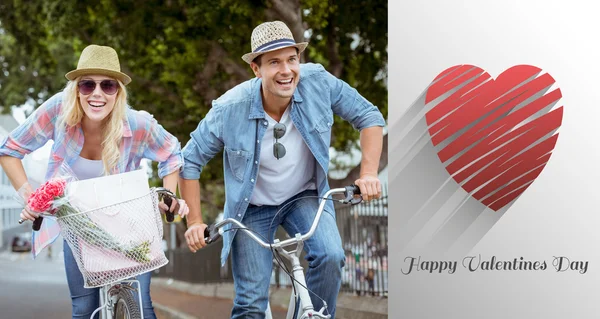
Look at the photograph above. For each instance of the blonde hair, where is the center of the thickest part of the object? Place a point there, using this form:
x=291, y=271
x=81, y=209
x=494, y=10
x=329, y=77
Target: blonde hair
x=112, y=129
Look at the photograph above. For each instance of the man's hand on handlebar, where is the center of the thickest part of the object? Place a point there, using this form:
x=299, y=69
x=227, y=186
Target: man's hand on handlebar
x=370, y=187
x=194, y=237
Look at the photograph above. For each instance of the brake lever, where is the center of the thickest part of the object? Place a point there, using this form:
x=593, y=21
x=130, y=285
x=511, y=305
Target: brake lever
x=163, y=191
x=349, y=193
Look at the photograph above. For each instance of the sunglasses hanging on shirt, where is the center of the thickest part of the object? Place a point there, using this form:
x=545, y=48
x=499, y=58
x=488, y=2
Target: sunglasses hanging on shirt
x=278, y=148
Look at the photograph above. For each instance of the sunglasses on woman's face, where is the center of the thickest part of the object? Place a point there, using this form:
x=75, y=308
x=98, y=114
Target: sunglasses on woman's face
x=86, y=87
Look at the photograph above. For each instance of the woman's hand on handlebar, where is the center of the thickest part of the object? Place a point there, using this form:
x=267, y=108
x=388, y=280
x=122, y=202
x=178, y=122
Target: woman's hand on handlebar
x=370, y=187
x=194, y=237
x=29, y=215
x=178, y=206
x=26, y=214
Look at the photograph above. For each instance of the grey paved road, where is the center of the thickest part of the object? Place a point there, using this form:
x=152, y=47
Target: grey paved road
x=38, y=289
x=33, y=288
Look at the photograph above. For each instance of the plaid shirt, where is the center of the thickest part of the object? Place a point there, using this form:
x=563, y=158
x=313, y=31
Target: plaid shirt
x=143, y=137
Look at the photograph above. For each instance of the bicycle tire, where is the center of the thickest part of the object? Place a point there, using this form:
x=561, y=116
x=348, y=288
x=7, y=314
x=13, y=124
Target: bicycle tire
x=126, y=306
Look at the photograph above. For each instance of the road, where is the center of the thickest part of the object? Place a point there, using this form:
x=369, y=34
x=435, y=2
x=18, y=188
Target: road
x=38, y=289
x=33, y=288
x=199, y=307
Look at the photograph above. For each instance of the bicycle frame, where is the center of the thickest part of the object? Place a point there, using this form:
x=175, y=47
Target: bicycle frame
x=306, y=308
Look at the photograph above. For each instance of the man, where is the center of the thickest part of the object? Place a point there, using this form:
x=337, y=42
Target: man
x=276, y=132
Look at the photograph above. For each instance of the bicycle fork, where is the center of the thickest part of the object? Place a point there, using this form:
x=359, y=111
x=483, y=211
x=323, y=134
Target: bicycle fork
x=109, y=297
x=305, y=306
x=106, y=303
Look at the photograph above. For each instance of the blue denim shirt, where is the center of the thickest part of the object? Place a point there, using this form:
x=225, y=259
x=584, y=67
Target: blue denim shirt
x=236, y=122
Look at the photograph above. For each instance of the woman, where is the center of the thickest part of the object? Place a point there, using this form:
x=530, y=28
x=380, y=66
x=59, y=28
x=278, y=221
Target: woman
x=95, y=133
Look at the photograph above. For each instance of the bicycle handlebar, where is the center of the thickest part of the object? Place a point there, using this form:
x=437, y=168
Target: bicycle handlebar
x=212, y=234
x=163, y=194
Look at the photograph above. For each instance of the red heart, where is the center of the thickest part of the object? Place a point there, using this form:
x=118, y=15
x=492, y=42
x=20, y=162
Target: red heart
x=494, y=137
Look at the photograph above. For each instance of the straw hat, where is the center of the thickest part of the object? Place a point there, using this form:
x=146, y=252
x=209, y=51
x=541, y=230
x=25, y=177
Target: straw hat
x=271, y=36
x=99, y=60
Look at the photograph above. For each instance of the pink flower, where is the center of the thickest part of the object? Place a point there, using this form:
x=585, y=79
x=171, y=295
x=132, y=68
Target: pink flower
x=55, y=187
x=39, y=202
x=41, y=199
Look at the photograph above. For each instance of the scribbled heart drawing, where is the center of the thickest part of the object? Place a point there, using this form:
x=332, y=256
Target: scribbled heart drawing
x=494, y=136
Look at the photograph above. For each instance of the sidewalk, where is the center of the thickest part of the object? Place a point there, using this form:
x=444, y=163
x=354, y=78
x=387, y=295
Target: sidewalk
x=180, y=300
x=174, y=304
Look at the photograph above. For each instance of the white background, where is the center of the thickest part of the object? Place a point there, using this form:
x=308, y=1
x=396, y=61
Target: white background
x=559, y=214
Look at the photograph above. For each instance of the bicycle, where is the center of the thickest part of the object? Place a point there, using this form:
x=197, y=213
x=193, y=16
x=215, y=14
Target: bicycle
x=300, y=299
x=105, y=263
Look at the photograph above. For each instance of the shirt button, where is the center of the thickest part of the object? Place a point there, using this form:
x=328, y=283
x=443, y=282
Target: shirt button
x=256, y=162
x=257, y=141
x=239, y=152
x=245, y=199
x=266, y=123
x=328, y=124
x=239, y=215
x=252, y=180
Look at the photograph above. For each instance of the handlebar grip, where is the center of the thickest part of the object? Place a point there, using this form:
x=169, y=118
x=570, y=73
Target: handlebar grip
x=349, y=194
x=211, y=234
x=206, y=234
x=170, y=215
x=354, y=189
x=37, y=223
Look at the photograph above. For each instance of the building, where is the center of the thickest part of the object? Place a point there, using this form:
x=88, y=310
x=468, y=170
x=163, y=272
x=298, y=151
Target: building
x=10, y=207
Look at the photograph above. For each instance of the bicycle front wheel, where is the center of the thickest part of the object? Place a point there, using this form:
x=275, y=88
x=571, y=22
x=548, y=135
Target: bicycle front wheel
x=126, y=307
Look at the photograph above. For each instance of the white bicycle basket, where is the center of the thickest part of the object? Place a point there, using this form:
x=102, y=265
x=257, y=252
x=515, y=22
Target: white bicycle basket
x=117, y=241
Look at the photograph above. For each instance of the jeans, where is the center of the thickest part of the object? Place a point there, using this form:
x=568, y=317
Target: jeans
x=86, y=300
x=252, y=264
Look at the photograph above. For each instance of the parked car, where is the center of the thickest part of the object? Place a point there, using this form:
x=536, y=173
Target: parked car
x=21, y=242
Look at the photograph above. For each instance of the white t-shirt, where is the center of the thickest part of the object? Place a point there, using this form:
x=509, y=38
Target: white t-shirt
x=280, y=179
x=86, y=169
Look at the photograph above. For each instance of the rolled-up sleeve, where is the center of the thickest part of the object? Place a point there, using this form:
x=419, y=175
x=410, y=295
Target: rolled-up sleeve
x=164, y=148
x=32, y=134
x=350, y=105
x=205, y=142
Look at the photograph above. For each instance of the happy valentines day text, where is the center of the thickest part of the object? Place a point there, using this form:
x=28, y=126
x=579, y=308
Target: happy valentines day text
x=477, y=263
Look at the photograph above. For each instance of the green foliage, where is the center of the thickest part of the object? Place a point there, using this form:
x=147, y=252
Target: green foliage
x=183, y=54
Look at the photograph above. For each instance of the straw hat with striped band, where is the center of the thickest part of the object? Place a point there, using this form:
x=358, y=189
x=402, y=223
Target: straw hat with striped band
x=99, y=60
x=271, y=36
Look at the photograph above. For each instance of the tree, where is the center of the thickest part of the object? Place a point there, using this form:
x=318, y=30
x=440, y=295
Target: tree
x=183, y=54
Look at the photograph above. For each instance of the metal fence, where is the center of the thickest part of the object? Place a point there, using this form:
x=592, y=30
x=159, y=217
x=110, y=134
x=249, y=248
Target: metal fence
x=364, y=232
x=202, y=267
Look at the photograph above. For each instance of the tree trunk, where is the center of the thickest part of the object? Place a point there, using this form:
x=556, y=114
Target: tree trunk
x=218, y=57
x=335, y=63
x=289, y=12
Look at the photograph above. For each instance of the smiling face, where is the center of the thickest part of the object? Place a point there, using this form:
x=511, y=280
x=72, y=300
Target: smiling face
x=280, y=73
x=97, y=105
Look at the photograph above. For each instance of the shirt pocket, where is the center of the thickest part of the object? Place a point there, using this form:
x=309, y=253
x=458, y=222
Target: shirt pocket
x=238, y=160
x=323, y=127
